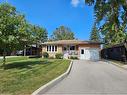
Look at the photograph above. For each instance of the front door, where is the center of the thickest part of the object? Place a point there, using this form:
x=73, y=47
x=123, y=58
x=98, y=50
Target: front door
x=82, y=53
x=66, y=51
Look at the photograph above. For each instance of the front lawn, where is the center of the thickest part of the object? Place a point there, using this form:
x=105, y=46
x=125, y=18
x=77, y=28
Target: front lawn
x=25, y=76
x=15, y=58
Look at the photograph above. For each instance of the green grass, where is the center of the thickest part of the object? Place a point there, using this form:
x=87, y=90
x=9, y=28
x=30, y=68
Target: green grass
x=12, y=59
x=25, y=76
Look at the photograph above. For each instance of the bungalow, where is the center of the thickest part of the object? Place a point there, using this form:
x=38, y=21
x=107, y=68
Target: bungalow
x=86, y=50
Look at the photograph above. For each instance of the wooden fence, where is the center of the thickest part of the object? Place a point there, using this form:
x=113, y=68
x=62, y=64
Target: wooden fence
x=116, y=52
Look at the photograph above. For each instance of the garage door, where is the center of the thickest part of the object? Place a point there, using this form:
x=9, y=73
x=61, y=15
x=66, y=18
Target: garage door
x=89, y=54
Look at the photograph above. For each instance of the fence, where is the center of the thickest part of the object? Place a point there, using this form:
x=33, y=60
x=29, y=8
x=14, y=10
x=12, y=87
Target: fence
x=117, y=52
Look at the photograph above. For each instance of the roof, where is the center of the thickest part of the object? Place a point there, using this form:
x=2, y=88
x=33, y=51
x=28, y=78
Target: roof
x=68, y=42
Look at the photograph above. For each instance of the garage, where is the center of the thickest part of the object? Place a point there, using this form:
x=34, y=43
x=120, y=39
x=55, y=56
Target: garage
x=89, y=53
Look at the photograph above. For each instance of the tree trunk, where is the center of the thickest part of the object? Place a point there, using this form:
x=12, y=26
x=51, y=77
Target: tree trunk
x=37, y=49
x=25, y=50
x=31, y=50
x=4, y=59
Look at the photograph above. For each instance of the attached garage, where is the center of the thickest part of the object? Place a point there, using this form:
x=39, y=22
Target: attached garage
x=89, y=53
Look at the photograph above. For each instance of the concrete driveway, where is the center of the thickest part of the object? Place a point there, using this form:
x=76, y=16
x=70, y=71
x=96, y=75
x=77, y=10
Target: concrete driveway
x=92, y=78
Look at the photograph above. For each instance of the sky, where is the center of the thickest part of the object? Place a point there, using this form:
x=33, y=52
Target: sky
x=51, y=14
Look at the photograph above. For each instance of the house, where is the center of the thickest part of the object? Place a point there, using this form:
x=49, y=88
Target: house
x=32, y=50
x=86, y=50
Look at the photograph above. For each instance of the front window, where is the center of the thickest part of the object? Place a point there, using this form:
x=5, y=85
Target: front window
x=72, y=47
x=49, y=48
x=55, y=48
x=52, y=48
x=65, y=48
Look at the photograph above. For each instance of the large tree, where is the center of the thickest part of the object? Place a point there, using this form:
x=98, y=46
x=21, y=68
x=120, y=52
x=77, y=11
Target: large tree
x=94, y=36
x=111, y=16
x=13, y=29
x=39, y=35
x=62, y=33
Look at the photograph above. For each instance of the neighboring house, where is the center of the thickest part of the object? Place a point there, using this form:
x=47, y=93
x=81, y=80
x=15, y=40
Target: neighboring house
x=86, y=50
x=30, y=51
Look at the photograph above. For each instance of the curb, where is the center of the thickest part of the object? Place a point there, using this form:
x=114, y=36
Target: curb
x=116, y=64
x=52, y=83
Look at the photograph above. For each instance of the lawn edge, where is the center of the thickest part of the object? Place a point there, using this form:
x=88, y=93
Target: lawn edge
x=53, y=82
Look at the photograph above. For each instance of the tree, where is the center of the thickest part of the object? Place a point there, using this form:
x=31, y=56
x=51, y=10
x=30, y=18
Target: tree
x=39, y=35
x=13, y=28
x=95, y=37
x=62, y=33
x=113, y=14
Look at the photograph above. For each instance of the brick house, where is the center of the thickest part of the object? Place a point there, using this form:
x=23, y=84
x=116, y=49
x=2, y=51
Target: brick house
x=86, y=50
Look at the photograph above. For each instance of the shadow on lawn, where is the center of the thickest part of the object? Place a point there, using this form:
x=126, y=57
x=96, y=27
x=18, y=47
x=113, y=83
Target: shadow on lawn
x=26, y=64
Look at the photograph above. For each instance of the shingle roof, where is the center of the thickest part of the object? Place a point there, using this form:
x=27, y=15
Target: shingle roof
x=66, y=42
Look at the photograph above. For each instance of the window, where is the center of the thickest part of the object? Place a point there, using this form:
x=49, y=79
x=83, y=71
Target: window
x=72, y=47
x=55, y=48
x=82, y=51
x=52, y=48
x=65, y=48
x=47, y=48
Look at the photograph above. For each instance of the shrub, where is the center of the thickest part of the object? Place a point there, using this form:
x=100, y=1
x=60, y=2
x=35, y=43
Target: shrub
x=59, y=56
x=73, y=57
x=45, y=55
x=51, y=57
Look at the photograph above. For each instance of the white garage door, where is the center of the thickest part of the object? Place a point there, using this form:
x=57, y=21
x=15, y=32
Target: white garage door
x=89, y=54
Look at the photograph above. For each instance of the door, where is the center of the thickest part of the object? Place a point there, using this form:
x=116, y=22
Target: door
x=89, y=54
x=66, y=54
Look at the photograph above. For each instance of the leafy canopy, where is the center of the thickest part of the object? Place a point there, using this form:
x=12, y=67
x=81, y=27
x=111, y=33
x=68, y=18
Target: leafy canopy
x=63, y=33
x=38, y=33
x=12, y=27
x=15, y=32
x=111, y=17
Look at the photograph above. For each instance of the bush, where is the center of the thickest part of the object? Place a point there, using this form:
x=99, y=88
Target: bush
x=73, y=57
x=51, y=57
x=59, y=56
x=45, y=55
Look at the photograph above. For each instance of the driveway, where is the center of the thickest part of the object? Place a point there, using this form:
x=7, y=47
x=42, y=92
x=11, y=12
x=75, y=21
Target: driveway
x=92, y=78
